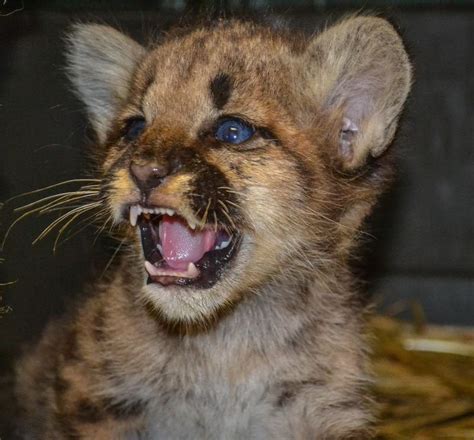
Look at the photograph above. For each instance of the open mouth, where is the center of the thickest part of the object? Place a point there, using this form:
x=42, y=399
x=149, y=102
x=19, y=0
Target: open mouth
x=177, y=252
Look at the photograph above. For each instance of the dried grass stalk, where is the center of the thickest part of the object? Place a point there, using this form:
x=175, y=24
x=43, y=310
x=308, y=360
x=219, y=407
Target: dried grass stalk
x=424, y=381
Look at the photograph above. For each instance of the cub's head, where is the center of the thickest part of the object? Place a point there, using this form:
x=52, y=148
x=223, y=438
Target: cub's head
x=239, y=156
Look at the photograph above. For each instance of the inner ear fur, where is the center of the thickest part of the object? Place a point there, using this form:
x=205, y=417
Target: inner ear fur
x=100, y=64
x=358, y=71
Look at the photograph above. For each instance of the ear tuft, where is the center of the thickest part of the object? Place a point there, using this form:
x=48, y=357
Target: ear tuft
x=100, y=63
x=360, y=71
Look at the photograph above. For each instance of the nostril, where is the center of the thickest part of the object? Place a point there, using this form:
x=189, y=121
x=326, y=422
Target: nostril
x=149, y=175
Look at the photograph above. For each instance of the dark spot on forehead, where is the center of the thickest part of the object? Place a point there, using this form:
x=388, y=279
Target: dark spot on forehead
x=221, y=88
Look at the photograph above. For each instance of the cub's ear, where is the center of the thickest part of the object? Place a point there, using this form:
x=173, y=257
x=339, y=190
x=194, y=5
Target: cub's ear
x=359, y=72
x=100, y=64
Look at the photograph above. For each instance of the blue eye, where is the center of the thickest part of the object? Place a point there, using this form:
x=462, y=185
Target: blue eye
x=134, y=128
x=234, y=131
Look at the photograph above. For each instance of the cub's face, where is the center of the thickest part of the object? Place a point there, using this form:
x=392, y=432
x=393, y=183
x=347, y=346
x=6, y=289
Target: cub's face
x=225, y=150
x=208, y=166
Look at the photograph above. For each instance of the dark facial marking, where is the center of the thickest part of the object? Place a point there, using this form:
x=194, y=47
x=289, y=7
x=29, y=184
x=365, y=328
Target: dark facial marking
x=210, y=183
x=221, y=88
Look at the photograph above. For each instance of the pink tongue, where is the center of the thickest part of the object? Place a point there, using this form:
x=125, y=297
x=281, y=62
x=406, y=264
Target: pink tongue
x=181, y=245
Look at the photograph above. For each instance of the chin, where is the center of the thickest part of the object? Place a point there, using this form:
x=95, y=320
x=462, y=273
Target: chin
x=180, y=305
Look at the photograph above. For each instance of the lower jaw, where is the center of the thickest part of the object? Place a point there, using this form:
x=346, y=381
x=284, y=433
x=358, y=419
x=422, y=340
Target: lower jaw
x=184, y=310
x=210, y=269
x=168, y=280
x=204, y=280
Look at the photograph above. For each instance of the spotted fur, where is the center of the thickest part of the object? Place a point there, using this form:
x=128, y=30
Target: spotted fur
x=275, y=348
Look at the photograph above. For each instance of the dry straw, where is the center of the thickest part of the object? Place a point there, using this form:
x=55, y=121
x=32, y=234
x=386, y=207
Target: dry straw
x=424, y=381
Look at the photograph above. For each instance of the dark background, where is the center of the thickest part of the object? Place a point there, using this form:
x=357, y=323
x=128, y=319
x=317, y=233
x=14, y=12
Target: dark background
x=422, y=250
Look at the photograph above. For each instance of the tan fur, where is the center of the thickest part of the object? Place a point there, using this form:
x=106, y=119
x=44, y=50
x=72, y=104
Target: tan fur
x=274, y=349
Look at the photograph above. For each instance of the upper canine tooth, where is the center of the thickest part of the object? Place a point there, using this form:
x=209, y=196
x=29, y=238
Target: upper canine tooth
x=152, y=270
x=170, y=212
x=133, y=215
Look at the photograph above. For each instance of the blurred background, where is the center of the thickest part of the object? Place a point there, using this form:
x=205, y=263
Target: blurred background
x=420, y=259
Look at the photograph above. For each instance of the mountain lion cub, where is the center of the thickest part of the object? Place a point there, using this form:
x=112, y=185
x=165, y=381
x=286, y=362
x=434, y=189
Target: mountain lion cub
x=238, y=162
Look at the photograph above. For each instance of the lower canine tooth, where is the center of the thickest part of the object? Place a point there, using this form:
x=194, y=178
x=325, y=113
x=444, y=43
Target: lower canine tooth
x=152, y=270
x=192, y=271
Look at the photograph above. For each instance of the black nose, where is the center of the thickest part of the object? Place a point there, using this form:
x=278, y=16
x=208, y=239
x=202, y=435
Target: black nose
x=148, y=175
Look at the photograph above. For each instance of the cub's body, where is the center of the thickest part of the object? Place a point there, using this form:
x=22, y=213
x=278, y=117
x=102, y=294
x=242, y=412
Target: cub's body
x=238, y=164
x=112, y=372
